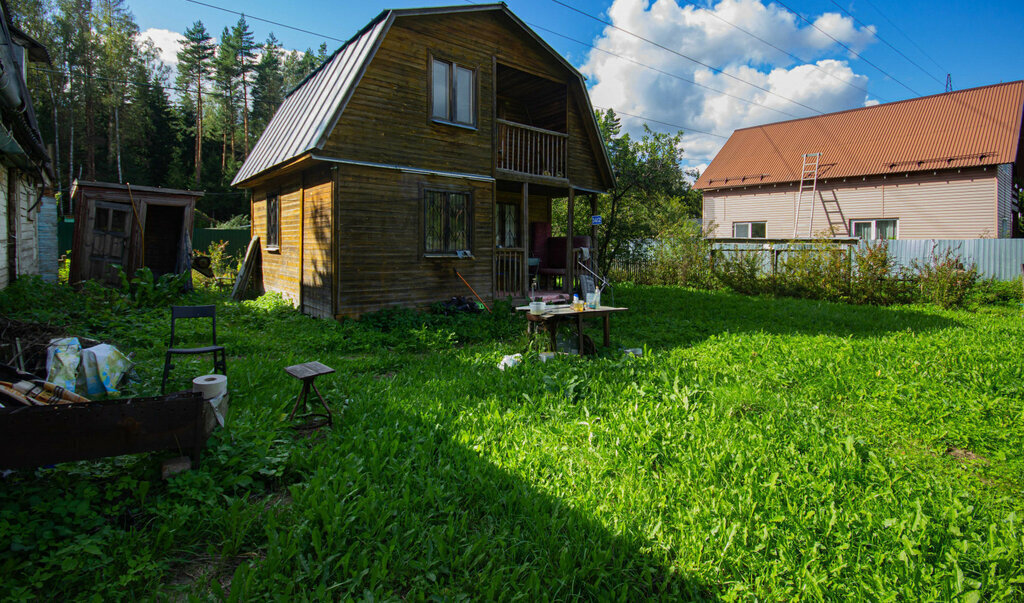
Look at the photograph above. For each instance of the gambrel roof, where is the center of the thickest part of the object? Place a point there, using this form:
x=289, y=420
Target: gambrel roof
x=965, y=128
x=309, y=113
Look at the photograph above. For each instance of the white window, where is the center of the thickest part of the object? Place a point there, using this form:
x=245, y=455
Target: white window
x=872, y=230
x=749, y=230
x=453, y=93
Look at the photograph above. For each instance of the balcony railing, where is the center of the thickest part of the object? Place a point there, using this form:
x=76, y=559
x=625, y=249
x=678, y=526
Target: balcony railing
x=530, y=150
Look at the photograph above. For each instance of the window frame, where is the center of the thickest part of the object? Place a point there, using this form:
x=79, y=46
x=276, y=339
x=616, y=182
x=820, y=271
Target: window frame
x=750, y=229
x=874, y=228
x=446, y=192
x=275, y=219
x=453, y=67
x=500, y=224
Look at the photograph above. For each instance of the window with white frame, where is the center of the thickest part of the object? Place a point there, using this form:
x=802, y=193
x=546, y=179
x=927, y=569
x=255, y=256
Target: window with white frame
x=453, y=93
x=873, y=230
x=749, y=230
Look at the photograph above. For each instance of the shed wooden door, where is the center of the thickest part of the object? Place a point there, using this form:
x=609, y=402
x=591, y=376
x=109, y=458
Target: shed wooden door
x=111, y=231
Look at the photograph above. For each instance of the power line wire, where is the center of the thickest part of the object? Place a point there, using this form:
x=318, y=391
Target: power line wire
x=714, y=14
x=852, y=51
x=664, y=123
x=886, y=42
x=277, y=23
x=909, y=39
x=672, y=75
x=677, y=53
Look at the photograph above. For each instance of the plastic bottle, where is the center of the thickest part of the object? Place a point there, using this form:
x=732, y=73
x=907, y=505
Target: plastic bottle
x=575, y=302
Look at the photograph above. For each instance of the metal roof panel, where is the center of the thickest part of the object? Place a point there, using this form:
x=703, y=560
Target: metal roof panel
x=973, y=127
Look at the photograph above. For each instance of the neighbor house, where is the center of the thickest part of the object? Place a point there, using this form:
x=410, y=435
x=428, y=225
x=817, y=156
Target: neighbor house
x=425, y=151
x=938, y=167
x=25, y=171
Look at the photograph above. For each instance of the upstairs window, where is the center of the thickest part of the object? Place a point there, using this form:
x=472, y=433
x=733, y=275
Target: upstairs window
x=453, y=93
x=446, y=222
x=273, y=222
x=873, y=230
x=749, y=230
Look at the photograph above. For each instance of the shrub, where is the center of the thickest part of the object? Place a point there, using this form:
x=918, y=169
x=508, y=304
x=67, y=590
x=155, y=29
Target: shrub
x=944, y=281
x=741, y=271
x=224, y=266
x=682, y=257
x=877, y=280
x=817, y=270
x=992, y=291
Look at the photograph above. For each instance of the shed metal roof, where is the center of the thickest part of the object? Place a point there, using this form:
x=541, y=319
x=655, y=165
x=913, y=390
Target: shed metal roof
x=310, y=110
x=965, y=128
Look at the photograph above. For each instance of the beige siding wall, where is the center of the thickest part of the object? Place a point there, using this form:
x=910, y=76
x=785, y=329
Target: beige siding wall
x=1004, y=182
x=955, y=204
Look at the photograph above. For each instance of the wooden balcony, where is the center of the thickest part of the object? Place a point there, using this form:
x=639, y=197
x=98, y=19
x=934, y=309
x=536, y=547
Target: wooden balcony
x=528, y=150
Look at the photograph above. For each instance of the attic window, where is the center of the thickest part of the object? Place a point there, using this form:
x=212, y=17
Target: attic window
x=453, y=93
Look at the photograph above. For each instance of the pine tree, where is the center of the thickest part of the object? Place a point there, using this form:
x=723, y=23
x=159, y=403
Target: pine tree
x=268, y=85
x=245, y=48
x=194, y=62
x=225, y=79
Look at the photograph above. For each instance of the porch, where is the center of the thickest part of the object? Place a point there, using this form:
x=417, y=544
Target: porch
x=528, y=260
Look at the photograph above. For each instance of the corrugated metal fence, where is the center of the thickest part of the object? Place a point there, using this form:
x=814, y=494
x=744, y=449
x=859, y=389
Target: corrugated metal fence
x=237, y=238
x=995, y=258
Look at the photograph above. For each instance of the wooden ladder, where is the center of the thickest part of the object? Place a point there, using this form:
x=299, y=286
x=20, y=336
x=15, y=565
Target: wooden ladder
x=808, y=182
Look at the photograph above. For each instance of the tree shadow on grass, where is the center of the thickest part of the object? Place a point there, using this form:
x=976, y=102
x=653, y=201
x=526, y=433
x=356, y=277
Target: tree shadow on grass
x=666, y=317
x=392, y=504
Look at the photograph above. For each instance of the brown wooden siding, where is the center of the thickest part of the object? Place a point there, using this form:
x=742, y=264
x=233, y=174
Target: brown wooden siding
x=952, y=204
x=380, y=241
x=281, y=267
x=388, y=118
x=583, y=169
x=316, y=243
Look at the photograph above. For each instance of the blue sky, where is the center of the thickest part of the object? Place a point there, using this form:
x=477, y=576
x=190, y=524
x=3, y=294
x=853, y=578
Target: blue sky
x=979, y=43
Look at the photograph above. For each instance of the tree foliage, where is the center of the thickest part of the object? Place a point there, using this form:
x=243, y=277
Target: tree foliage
x=114, y=112
x=652, y=193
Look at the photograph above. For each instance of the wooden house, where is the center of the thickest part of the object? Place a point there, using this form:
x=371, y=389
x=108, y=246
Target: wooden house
x=130, y=226
x=425, y=149
x=946, y=166
x=25, y=170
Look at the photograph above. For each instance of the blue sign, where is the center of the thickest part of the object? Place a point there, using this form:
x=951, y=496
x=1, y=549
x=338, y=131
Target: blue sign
x=595, y=220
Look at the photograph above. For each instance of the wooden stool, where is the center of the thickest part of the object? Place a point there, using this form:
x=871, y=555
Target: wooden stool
x=307, y=373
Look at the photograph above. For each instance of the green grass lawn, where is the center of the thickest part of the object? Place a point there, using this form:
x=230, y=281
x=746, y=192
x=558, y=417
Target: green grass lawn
x=760, y=449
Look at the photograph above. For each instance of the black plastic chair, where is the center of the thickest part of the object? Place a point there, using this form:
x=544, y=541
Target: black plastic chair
x=220, y=362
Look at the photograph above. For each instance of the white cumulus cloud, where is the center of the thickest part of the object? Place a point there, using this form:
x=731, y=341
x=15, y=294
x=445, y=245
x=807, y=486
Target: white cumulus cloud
x=167, y=43
x=810, y=73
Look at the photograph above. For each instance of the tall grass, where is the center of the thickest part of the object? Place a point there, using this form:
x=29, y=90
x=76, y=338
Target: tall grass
x=761, y=448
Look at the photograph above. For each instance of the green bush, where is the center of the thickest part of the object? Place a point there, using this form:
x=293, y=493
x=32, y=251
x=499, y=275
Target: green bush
x=944, y=280
x=992, y=291
x=224, y=266
x=742, y=271
x=877, y=280
x=818, y=270
x=682, y=257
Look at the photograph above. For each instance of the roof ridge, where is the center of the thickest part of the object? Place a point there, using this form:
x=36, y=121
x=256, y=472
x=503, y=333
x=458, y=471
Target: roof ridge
x=890, y=104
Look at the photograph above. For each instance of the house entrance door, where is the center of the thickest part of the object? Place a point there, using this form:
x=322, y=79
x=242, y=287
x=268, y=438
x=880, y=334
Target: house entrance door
x=111, y=228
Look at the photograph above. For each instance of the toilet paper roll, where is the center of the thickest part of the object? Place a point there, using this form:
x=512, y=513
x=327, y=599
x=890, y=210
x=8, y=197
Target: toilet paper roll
x=210, y=386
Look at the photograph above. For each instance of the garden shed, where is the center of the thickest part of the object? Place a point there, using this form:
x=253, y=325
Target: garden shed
x=132, y=227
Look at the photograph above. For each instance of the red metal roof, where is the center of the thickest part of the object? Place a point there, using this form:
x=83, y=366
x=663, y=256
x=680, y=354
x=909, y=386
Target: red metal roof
x=978, y=126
